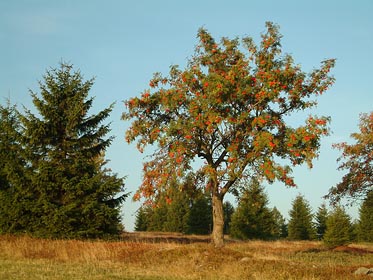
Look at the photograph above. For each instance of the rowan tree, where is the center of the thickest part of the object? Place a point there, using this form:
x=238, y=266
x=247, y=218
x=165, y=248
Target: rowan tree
x=357, y=160
x=224, y=116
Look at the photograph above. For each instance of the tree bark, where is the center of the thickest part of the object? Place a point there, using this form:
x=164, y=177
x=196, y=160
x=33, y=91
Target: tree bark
x=218, y=221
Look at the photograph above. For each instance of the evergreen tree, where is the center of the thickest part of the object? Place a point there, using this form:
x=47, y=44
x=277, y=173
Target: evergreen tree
x=252, y=218
x=178, y=211
x=75, y=196
x=170, y=212
x=143, y=218
x=200, y=218
x=278, y=229
x=13, y=169
x=300, y=225
x=158, y=216
x=285, y=230
x=321, y=218
x=355, y=230
x=365, y=225
x=338, y=228
x=228, y=212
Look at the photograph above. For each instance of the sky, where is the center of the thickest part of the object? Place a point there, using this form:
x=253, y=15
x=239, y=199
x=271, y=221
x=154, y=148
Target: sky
x=122, y=43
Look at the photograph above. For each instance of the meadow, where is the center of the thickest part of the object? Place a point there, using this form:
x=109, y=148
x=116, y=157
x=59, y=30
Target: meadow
x=152, y=256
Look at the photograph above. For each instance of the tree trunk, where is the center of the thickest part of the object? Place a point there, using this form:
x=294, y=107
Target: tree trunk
x=218, y=221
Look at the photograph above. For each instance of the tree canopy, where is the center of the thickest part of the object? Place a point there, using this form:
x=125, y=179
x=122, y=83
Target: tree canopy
x=224, y=117
x=357, y=161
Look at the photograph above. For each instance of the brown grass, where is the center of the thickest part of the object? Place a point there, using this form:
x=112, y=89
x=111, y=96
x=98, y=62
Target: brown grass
x=29, y=258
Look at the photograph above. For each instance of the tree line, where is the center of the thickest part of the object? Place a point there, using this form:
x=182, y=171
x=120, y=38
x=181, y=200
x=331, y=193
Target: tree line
x=254, y=219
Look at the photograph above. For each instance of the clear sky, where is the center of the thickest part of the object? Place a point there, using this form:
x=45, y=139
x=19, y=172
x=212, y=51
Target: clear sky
x=122, y=43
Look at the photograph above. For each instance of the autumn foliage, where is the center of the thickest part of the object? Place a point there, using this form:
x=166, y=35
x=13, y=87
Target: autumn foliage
x=357, y=160
x=223, y=117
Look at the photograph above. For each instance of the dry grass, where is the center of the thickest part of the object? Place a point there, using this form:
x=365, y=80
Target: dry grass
x=29, y=258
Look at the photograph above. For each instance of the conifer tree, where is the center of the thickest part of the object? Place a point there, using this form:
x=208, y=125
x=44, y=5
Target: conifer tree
x=278, y=229
x=300, y=225
x=13, y=169
x=143, y=218
x=338, y=228
x=158, y=216
x=200, y=218
x=321, y=218
x=228, y=210
x=169, y=212
x=252, y=218
x=9, y=143
x=365, y=225
x=75, y=195
x=178, y=212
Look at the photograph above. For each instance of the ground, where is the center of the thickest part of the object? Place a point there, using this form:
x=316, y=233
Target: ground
x=175, y=256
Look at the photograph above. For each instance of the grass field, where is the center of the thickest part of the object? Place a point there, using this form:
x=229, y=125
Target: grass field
x=144, y=256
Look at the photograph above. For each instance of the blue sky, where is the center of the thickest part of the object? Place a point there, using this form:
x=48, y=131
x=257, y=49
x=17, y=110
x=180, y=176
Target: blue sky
x=122, y=43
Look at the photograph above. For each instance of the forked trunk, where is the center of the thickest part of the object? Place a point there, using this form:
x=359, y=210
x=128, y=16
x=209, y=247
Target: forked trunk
x=218, y=221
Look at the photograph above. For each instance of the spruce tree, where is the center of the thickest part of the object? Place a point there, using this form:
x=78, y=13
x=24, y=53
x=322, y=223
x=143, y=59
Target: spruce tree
x=365, y=225
x=338, y=228
x=178, y=211
x=13, y=197
x=75, y=195
x=321, y=218
x=252, y=218
x=143, y=218
x=200, y=217
x=158, y=216
x=278, y=229
x=228, y=210
x=9, y=144
x=300, y=224
x=169, y=212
